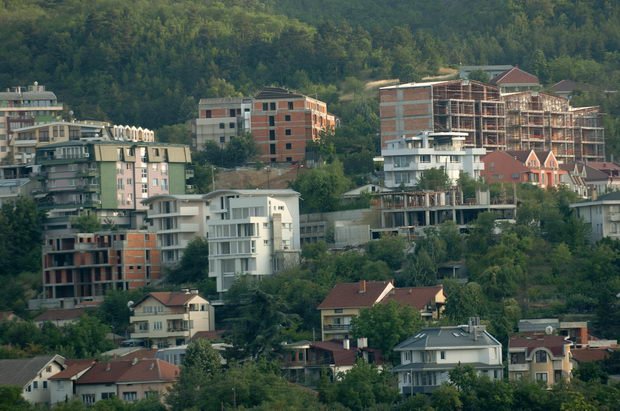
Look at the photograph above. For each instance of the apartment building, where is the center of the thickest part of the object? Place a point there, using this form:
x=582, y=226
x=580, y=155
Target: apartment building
x=541, y=122
x=539, y=357
x=406, y=158
x=84, y=266
x=108, y=178
x=176, y=220
x=602, y=214
x=281, y=122
x=221, y=119
x=427, y=357
x=169, y=319
x=24, y=107
x=254, y=232
x=464, y=106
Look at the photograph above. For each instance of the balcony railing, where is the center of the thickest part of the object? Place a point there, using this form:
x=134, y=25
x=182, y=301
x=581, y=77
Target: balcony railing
x=337, y=327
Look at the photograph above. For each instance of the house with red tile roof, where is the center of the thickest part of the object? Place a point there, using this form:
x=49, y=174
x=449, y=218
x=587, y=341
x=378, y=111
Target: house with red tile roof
x=539, y=357
x=60, y=317
x=346, y=300
x=304, y=361
x=32, y=376
x=540, y=168
x=62, y=384
x=165, y=319
x=128, y=380
x=515, y=79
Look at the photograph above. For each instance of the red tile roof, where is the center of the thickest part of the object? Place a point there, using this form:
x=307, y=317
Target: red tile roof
x=416, y=297
x=603, y=165
x=214, y=335
x=170, y=298
x=141, y=354
x=530, y=341
x=348, y=295
x=520, y=155
x=590, y=354
x=148, y=370
x=60, y=315
x=343, y=357
x=74, y=367
x=515, y=76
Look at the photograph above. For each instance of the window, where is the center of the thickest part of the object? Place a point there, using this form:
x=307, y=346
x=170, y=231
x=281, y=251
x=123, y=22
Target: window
x=272, y=106
x=119, y=184
x=145, y=188
x=287, y=132
x=541, y=356
x=157, y=325
x=208, y=114
x=107, y=395
x=130, y=396
x=272, y=121
x=541, y=376
x=272, y=135
x=265, y=106
x=35, y=385
x=144, y=173
x=155, y=182
x=287, y=118
x=222, y=139
x=45, y=385
x=289, y=159
x=222, y=126
x=272, y=149
x=231, y=125
x=289, y=146
x=290, y=105
x=443, y=355
x=231, y=112
x=88, y=399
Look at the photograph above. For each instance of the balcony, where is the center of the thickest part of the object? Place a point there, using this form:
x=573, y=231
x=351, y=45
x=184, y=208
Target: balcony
x=519, y=367
x=337, y=327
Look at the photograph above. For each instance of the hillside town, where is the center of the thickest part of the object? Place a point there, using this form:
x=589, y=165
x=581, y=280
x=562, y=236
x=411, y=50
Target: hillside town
x=460, y=161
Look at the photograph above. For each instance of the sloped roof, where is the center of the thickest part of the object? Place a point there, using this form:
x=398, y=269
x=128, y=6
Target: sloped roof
x=343, y=357
x=130, y=371
x=515, y=76
x=74, y=367
x=490, y=157
x=531, y=341
x=20, y=371
x=60, y=314
x=170, y=298
x=603, y=165
x=348, y=295
x=613, y=196
x=564, y=86
x=590, y=354
x=520, y=155
x=592, y=174
x=213, y=335
x=276, y=93
x=416, y=297
x=458, y=336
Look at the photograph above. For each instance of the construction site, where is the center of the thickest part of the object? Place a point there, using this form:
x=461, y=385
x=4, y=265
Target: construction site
x=542, y=122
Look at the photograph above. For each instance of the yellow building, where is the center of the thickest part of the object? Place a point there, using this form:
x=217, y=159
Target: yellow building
x=171, y=318
x=539, y=357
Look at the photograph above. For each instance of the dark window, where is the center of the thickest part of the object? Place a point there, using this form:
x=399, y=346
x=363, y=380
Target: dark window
x=290, y=105
x=272, y=120
x=289, y=146
x=541, y=356
x=208, y=114
x=265, y=106
x=289, y=159
x=272, y=149
x=287, y=118
x=231, y=112
x=222, y=139
x=231, y=125
x=287, y=131
x=272, y=135
x=272, y=106
x=222, y=125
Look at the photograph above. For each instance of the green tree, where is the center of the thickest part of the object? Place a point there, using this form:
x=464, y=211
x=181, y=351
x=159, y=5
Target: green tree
x=194, y=265
x=321, y=187
x=434, y=179
x=385, y=325
x=479, y=75
x=86, y=223
x=390, y=248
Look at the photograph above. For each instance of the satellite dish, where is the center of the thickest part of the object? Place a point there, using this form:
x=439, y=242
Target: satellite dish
x=549, y=330
x=130, y=305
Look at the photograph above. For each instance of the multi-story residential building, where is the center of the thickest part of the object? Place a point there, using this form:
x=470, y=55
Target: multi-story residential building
x=127, y=380
x=542, y=122
x=464, y=106
x=171, y=318
x=177, y=220
x=254, y=232
x=84, y=266
x=514, y=79
x=346, y=300
x=280, y=121
x=283, y=122
x=406, y=158
x=427, y=357
x=109, y=178
x=32, y=375
x=23, y=107
x=539, y=357
x=540, y=168
x=602, y=214
x=221, y=119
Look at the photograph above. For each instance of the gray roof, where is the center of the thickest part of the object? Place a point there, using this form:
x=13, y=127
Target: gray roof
x=251, y=193
x=418, y=366
x=20, y=372
x=447, y=337
x=27, y=95
x=538, y=324
x=613, y=196
x=276, y=93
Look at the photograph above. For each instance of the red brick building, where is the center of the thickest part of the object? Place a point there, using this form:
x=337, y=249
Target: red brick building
x=539, y=168
x=90, y=264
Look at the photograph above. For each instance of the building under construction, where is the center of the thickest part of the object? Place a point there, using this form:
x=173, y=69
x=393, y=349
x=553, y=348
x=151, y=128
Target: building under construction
x=464, y=106
x=541, y=122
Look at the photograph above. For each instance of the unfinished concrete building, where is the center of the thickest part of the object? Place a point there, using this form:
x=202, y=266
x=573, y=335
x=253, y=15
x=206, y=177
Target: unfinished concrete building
x=541, y=122
x=464, y=106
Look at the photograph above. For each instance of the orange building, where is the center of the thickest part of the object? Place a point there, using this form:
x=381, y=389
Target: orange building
x=90, y=264
x=283, y=122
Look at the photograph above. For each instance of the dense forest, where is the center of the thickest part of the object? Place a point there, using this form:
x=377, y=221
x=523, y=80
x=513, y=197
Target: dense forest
x=149, y=61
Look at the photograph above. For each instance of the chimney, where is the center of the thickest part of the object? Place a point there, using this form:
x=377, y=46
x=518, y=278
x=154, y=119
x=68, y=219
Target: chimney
x=185, y=290
x=362, y=289
x=108, y=367
x=594, y=194
x=134, y=361
x=362, y=342
x=346, y=344
x=194, y=291
x=152, y=365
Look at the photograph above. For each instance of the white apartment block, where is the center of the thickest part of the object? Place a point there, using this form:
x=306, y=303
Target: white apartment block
x=427, y=357
x=406, y=158
x=220, y=120
x=602, y=215
x=254, y=232
x=177, y=220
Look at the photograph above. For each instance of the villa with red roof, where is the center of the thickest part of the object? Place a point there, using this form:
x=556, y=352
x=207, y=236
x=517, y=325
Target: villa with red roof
x=515, y=79
x=539, y=357
x=169, y=319
x=523, y=166
x=346, y=300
